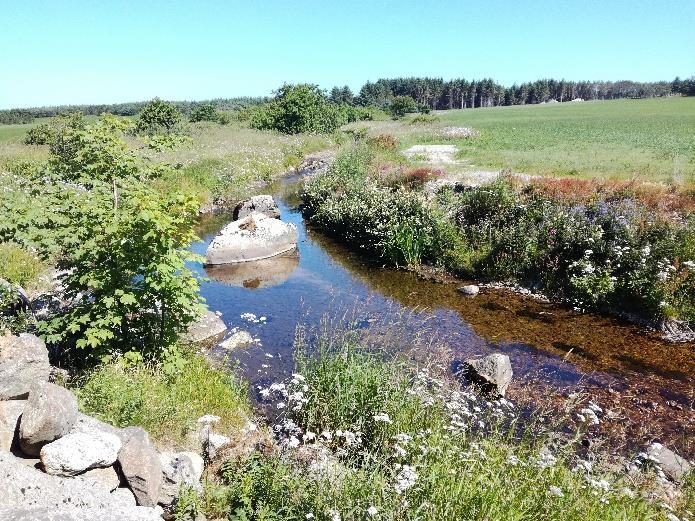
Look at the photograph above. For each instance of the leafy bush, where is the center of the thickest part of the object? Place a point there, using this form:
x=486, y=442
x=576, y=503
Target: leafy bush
x=165, y=400
x=401, y=105
x=384, y=141
x=158, y=117
x=46, y=133
x=296, y=109
x=207, y=112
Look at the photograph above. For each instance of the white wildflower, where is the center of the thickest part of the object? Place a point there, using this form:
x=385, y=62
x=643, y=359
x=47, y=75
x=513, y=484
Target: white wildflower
x=382, y=417
x=372, y=511
x=556, y=491
x=405, y=479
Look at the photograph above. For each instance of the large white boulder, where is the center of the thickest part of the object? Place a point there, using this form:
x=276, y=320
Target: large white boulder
x=254, y=237
x=78, y=451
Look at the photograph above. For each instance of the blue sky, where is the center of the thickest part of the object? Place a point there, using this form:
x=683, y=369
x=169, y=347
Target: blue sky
x=98, y=51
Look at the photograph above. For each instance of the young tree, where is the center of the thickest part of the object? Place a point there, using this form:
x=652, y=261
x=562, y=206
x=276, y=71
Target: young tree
x=158, y=117
x=402, y=105
x=205, y=112
x=123, y=261
x=296, y=109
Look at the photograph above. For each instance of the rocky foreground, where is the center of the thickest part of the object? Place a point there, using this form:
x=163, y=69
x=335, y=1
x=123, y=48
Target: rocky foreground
x=61, y=465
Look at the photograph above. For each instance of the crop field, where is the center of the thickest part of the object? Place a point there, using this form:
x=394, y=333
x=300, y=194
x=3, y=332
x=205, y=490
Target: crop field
x=648, y=140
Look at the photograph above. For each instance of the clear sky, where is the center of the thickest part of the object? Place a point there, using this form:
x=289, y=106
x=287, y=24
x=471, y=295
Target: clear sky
x=72, y=51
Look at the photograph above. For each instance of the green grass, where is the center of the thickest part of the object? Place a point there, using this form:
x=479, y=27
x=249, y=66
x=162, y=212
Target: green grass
x=650, y=139
x=18, y=266
x=462, y=471
x=166, y=405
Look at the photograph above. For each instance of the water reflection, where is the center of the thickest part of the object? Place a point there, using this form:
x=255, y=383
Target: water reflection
x=256, y=274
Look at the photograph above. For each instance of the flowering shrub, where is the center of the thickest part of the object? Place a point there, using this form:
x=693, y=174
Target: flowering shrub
x=609, y=251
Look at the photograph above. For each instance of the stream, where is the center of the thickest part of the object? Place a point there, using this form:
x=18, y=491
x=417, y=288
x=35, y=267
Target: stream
x=644, y=385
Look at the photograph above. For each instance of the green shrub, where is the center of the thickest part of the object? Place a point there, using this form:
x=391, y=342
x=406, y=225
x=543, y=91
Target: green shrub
x=401, y=105
x=46, y=133
x=165, y=402
x=207, y=112
x=158, y=117
x=297, y=109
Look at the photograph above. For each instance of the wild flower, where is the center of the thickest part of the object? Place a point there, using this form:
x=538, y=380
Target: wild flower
x=372, y=511
x=405, y=479
x=555, y=491
x=382, y=417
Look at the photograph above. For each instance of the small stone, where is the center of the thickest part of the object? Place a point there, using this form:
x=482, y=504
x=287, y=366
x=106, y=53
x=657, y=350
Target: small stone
x=671, y=463
x=470, y=290
x=106, y=476
x=49, y=414
x=23, y=362
x=77, y=451
x=141, y=467
x=215, y=443
x=494, y=372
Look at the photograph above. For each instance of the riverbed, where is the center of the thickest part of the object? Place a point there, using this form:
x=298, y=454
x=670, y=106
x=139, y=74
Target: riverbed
x=644, y=385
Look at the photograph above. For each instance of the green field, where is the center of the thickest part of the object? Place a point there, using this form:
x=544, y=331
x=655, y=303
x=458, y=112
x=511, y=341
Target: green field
x=650, y=139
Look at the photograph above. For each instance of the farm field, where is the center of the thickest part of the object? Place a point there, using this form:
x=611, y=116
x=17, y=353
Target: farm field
x=647, y=140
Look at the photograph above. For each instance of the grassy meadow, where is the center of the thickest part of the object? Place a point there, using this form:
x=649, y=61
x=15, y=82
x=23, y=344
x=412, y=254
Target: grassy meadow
x=646, y=139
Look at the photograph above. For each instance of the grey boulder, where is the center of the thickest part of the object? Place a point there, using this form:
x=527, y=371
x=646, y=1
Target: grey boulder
x=493, y=373
x=111, y=513
x=29, y=494
x=254, y=237
x=10, y=412
x=141, y=467
x=208, y=326
x=49, y=414
x=179, y=469
x=107, y=477
x=264, y=204
x=79, y=451
x=23, y=362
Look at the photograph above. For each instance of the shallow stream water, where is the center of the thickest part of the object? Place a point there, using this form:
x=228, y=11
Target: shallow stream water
x=644, y=385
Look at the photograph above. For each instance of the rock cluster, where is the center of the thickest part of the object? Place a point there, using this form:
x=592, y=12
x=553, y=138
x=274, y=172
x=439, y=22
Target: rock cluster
x=264, y=204
x=57, y=463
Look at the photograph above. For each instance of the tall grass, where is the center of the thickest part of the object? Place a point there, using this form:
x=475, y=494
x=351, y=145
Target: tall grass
x=368, y=439
x=166, y=403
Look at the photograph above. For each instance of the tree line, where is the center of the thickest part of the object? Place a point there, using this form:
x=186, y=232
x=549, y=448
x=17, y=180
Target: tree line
x=16, y=116
x=437, y=94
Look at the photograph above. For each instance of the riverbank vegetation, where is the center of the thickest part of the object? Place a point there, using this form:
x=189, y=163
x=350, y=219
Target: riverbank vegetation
x=601, y=248
x=364, y=438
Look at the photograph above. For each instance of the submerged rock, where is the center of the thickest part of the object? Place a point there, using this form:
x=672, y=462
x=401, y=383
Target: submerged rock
x=471, y=290
x=23, y=362
x=208, y=326
x=264, y=204
x=237, y=340
x=493, y=373
x=252, y=238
